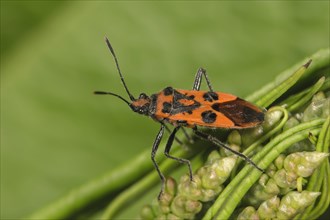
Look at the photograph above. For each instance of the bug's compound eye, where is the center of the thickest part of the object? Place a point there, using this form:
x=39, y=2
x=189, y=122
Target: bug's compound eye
x=143, y=96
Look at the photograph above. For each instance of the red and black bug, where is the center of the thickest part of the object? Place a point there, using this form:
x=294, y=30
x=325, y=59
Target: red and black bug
x=191, y=108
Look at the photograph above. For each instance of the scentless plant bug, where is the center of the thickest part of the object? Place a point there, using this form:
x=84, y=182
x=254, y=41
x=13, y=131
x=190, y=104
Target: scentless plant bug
x=192, y=109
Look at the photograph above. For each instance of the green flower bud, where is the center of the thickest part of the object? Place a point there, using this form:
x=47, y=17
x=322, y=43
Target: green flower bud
x=304, y=163
x=248, y=213
x=234, y=138
x=262, y=191
x=326, y=108
x=293, y=121
x=319, y=96
x=191, y=189
x=271, y=170
x=272, y=117
x=147, y=213
x=214, y=155
x=268, y=209
x=304, y=145
x=161, y=217
x=209, y=177
x=168, y=195
x=184, y=207
x=223, y=167
x=294, y=203
x=250, y=135
x=279, y=161
x=229, y=153
x=210, y=194
x=271, y=187
x=263, y=180
x=170, y=186
x=285, y=179
x=315, y=110
x=172, y=217
x=155, y=207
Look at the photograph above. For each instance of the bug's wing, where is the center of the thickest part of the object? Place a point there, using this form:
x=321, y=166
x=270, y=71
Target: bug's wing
x=227, y=111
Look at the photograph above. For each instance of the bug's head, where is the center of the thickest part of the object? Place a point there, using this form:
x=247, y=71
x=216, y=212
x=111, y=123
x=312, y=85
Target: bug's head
x=140, y=105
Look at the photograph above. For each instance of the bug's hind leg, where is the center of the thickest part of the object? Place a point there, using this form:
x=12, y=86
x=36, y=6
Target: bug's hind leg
x=215, y=141
x=188, y=136
x=153, y=154
x=180, y=160
x=198, y=80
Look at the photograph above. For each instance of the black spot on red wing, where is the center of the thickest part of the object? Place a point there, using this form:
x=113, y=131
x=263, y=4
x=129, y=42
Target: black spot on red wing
x=240, y=112
x=210, y=96
x=209, y=116
x=168, y=91
x=167, y=107
x=216, y=107
x=189, y=112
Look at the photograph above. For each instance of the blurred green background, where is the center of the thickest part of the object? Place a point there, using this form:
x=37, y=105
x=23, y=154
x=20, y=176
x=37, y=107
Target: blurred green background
x=56, y=135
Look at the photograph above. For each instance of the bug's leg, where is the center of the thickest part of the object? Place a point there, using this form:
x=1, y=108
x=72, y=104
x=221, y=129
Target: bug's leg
x=153, y=154
x=176, y=139
x=168, y=148
x=189, y=138
x=215, y=141
x=198, y=80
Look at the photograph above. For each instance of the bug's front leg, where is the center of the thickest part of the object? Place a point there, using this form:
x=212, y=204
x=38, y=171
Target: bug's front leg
x=180, y=160
x=153, y=154
x=198, y=80
x=215, y=141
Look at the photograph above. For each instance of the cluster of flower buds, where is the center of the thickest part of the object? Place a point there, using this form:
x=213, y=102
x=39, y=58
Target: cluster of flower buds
x=285, y=174
x=183, y=200
x=287, y=207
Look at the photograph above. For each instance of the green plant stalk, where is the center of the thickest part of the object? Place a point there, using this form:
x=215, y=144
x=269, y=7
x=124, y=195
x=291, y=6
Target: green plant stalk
x=247, y=169
x=315, y=88
x=297, y=97
x=79, y=198
x=280, y=89
x=324, y=201
x=320, y=61
x=321, y=146
x=138, y=188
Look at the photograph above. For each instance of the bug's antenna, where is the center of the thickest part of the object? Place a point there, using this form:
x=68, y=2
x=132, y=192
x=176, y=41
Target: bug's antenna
x=117, y=64
x=110, y=93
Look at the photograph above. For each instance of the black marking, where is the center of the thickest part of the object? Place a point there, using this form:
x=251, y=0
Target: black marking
x=209, y=116
x=189, y=112
x=216, y=107
x=168, y=91
x=167, y=107
x=210, y=96
x=180, y=107
x=239, y=111
x=153, y=104
x=182, y=122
